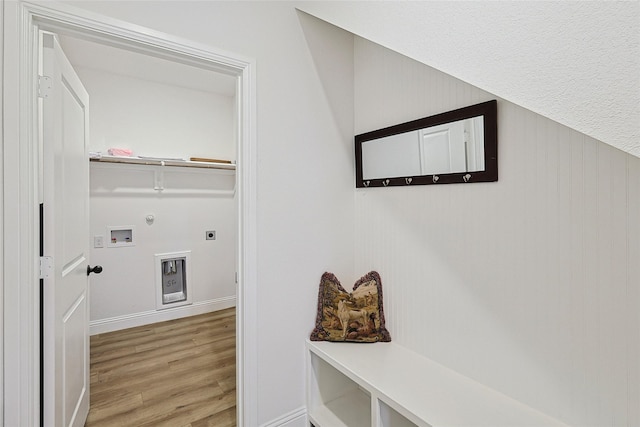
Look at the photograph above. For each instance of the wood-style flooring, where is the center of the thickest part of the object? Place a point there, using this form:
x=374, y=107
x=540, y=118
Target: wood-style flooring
x=180, y=373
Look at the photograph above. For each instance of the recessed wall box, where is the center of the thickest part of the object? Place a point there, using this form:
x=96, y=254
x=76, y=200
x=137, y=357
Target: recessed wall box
x=172, y=273
x=119, y=236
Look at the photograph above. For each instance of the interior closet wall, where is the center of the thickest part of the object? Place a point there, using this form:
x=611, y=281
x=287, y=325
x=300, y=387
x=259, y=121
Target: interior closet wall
x=156, y=119
x=193, y=201
x=530, y=285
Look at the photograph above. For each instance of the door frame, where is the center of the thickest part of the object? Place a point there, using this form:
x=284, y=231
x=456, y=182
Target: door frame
x=22, y=191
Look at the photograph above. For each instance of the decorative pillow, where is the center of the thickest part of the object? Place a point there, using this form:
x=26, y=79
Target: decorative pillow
x=353, y=317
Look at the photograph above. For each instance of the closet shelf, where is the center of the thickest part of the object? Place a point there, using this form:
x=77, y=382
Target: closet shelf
x=163, y=162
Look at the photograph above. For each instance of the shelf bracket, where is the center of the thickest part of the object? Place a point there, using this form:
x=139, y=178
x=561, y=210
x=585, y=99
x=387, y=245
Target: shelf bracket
x=158, y=179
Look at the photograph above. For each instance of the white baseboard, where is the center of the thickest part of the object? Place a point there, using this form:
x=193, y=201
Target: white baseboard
x=296, y=418
x=147, y=317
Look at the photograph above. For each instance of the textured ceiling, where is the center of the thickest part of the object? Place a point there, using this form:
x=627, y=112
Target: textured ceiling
x=577, y=63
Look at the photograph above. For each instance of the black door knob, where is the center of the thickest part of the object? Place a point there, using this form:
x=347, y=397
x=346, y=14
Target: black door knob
x=97, y=269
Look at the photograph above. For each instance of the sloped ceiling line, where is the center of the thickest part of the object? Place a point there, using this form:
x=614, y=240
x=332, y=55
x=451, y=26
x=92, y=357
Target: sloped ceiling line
x=577, y=63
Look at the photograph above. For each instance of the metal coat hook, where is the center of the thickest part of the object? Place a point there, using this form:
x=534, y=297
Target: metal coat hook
x=408, y=180
x=366, y=183
x=435, y=178
x=385, y=182
x=466, y=177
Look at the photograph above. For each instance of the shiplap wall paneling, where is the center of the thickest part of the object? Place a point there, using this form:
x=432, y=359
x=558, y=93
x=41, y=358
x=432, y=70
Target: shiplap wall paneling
x=529, y=284
x=633, y=290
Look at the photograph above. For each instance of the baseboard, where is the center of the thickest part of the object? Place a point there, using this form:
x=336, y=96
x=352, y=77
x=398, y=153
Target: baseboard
x=153, y=316
x=296, y=418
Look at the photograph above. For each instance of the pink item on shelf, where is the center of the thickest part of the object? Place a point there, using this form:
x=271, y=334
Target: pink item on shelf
x=124, y=152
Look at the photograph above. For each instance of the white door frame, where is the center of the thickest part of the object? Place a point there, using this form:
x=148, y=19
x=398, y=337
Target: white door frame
x=21, y=191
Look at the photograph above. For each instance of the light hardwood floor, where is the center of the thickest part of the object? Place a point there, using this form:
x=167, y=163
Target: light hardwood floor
x=180, y=373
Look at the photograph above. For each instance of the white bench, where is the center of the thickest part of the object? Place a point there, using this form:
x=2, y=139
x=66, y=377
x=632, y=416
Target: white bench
x=387, y=385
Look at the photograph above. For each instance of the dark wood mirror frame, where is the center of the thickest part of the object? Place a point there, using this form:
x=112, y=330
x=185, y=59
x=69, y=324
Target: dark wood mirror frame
x=488, y=110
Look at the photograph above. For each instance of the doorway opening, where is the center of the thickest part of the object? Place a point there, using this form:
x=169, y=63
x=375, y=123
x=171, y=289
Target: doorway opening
x=66, y=20
x=163, y=158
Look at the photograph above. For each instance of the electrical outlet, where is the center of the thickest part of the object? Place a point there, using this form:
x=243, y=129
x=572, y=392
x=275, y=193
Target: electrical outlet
x=210, y=235
x=98, y=241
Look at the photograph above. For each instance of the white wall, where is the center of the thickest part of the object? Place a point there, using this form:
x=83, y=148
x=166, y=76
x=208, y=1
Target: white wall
x=2, y=204
x=575, y=62
x=530, y=285
x=158, y=120
x=193, y=201
x=305, y=164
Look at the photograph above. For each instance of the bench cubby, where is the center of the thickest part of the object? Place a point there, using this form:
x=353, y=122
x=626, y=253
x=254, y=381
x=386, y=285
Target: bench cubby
x=387, y=385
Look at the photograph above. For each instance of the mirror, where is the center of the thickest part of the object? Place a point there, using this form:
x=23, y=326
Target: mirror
x=458, y=146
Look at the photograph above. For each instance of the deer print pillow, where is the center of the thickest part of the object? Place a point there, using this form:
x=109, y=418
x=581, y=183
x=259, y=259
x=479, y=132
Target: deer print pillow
x=355, y=316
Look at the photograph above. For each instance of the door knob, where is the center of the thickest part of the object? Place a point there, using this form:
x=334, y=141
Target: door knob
x=97, y=269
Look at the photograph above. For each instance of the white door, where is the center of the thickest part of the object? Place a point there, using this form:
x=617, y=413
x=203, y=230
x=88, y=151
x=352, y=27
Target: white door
x=65, y=173
x=442, y=149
